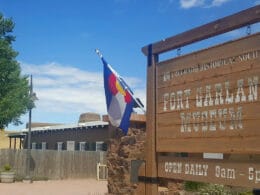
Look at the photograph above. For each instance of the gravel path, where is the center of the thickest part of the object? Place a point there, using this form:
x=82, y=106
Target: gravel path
x=56, y=187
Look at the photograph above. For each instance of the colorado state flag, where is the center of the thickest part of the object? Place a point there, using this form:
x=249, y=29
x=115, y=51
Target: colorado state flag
x=118, y=99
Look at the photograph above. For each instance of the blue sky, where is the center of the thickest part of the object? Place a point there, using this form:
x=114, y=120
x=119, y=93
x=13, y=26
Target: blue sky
x=56, y=41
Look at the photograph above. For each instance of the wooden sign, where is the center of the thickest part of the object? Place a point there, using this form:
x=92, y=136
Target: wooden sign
x=239, y=173
x=208, y=101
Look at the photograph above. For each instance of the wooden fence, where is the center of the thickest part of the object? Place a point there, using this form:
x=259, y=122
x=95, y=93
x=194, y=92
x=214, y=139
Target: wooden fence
x=51, y=164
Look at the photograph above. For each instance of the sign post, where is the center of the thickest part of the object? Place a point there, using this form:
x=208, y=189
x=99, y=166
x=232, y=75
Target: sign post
x=205, y=102
x=151, y=186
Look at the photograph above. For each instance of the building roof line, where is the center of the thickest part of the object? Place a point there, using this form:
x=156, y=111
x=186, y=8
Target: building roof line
x=69, y=126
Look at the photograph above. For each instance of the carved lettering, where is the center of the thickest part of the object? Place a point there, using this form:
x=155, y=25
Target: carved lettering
x=212, y=120
x=167, y=76
x=196, y=119
x=219, y=99
x=226, y=173
x=222, y=114
x=187, y=93
x=185, y=122
x=208, y=100
x=199, y=97
x=212, y=125
x=252, y=82
x=172, y=101
x=229, y=97
x=165, y=101
x=240, y=92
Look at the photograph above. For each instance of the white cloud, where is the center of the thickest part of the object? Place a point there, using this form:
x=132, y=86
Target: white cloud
x=219, y=2
x=187, y=4
x=66, y=89
x=216, y=3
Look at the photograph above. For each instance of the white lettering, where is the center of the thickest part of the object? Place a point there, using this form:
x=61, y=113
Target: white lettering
x=167, y=76
x=172, y=101
x=173, y=167
x=199, y=97
x=235, y=118
x=196, y=169
x=222, y=113
x=219, y=99
x=208, y=100
x=250, y=173
x=253, y=175
x=225, y=172
x=204, y=119
x=252, y=82
x=229, y=98
x=212, y=120
x=240, y=90
x=179, y=100
x=165, y=101
x=185, y=122
x=187, y=94
x=196, y=118
x=212, y=125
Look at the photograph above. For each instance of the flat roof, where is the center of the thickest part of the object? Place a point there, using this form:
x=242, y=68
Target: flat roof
x=15, y=134
x=69, y=126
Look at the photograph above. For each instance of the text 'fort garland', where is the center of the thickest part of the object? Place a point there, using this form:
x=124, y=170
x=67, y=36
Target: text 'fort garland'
x=209, y=96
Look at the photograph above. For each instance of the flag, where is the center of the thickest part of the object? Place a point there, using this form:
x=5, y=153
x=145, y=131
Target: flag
x=119, y=100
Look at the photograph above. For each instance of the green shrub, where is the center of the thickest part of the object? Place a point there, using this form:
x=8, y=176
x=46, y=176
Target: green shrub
x=40, y=178
x=193, y=186
x=18, y=178
x=215, y=189
x=7, y=167
x=246, y=193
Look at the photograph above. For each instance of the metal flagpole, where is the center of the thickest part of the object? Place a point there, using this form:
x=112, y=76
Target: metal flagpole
x=122, y=81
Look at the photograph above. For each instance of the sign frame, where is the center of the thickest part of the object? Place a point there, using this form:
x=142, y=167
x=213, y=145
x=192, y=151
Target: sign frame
x=152, y=51
x=212, y=95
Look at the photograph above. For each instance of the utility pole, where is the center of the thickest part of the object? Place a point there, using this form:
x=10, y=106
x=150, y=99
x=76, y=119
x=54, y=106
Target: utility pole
x=28, y=151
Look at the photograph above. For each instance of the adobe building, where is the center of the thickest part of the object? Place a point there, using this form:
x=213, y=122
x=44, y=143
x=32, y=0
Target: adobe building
x=91, y=133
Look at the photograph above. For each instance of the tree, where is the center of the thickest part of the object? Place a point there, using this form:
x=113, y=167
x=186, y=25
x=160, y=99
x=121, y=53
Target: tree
x=14, y=88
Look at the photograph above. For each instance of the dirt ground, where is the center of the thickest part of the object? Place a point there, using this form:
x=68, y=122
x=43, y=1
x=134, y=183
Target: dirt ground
x=56, y=187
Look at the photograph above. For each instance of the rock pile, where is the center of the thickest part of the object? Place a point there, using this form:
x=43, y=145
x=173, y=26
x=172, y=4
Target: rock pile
x=123, y=149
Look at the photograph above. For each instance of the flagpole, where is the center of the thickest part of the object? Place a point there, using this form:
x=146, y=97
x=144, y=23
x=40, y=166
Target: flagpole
x=121, y=79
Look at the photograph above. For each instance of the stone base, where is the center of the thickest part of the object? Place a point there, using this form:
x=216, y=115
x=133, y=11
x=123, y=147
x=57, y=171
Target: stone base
x=121, y=151
x=7, y=177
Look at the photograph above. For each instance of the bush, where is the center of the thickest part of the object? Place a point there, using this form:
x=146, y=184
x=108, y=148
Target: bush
x=7, y=167
x=215, y=189
x=193, y=186
x=40, y=178
x=18, y=178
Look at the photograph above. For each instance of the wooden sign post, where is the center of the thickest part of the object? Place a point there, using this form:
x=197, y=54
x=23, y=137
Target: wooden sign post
x=207, y=101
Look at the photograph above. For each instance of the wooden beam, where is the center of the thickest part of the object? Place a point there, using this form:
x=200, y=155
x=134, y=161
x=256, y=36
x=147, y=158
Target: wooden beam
x=151, y=161
x=20, y=145
x=226, y=24
x=15, y=143
x=10, y=142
